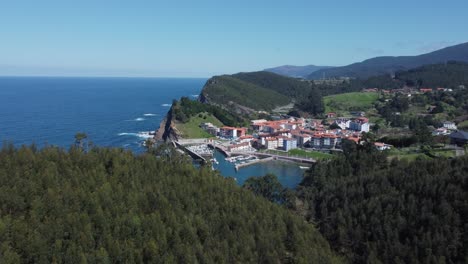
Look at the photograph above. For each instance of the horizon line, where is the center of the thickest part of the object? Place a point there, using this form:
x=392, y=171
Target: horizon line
x=85, y=76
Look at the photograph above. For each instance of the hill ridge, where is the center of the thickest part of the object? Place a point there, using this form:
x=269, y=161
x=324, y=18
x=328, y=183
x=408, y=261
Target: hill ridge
x=391, y=64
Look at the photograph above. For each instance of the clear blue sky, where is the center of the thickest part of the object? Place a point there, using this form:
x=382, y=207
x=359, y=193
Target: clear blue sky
x=203, y=38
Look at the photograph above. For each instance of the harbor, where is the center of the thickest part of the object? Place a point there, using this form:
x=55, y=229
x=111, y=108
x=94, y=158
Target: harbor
x=242, y=165
x=289, y=174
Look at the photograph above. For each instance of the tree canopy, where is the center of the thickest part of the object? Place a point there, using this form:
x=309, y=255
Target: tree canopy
x=110, y=206
x=375, y=211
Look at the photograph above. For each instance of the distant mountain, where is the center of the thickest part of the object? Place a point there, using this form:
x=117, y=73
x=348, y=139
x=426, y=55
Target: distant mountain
x=296, y=71
x=388, y=64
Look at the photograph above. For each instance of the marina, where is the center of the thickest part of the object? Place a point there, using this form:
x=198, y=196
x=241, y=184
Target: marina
x=241, y=165
x=288, y=173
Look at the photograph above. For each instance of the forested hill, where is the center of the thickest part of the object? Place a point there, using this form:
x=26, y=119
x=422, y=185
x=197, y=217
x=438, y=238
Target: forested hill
x=388, y=65
x=254, y=90
x=376, y=211
x=448, y=75
x=110, y=206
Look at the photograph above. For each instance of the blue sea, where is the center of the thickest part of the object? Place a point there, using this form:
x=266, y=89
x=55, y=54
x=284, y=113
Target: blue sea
x=113, y=112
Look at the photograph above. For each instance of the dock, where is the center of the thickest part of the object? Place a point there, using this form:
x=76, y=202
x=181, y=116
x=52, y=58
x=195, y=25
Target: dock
x=278, y=157
x=192, y=154
x=252, y=162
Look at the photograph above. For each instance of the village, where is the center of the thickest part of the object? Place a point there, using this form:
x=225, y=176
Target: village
x=285, y=133
x=293, y=133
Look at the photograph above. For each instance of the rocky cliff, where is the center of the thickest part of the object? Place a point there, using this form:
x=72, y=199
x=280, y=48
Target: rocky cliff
x=167, y=128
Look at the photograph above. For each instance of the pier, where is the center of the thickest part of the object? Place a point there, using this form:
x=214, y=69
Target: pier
x=277, y=157
x=252, y=162
x=192, y=154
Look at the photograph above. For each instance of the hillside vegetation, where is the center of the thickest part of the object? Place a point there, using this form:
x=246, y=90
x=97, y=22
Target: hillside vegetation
x=192, y=129
x=254, y=90
x=186, y=108
x=109, y=206
x=376, y=211
x=449, y=75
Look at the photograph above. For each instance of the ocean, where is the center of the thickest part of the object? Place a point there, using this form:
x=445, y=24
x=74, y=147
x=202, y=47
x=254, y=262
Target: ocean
x=113, y=112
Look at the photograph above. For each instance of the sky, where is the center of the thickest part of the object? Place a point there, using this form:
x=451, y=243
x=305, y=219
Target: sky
x=204, y=38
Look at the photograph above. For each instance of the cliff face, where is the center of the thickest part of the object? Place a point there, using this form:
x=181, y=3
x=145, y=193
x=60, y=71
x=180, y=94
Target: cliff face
x=167, y=129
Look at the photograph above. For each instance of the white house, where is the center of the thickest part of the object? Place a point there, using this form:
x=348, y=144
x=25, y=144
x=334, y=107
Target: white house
x=360, y=124
x=343, y=123
x=449, y=125
x=382, y=146
x=440, y=131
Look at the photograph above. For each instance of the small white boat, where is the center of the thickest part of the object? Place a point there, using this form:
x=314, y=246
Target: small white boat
x=304, y=168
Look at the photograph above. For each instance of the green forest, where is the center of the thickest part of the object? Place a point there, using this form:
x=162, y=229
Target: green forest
x=186, y=108
x=373, y=210
x=262, y=91
x=449, y=75
x=107, y=205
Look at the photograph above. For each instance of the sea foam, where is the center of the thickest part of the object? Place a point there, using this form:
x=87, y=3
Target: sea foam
x=143, y=134
x=166, y=105
x=150, y=114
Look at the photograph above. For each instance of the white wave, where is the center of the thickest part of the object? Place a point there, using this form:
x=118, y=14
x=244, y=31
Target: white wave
x=195, y=95
x=166, y=105
x=139, y=119
x=150, y=114
x=143, y=134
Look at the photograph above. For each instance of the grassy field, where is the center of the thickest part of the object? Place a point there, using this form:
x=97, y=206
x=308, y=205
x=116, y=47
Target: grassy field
x=446, y=153
x=191, y=129
x=410, y=154
x=346, y=102
x=463, y=125
x=303, y=153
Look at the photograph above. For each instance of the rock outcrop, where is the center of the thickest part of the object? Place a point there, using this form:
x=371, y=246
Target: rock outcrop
x=167, y=128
